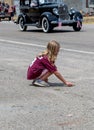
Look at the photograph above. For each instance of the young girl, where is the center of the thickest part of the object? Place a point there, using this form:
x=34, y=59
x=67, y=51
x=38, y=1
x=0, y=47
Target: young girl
x=43, y=66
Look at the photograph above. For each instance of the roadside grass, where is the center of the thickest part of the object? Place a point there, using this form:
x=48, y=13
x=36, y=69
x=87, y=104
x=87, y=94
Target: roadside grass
x=88, y=20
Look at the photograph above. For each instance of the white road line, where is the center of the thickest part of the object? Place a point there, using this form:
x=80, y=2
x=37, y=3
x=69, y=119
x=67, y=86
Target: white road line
x=78, y=51
x=21, y=43
x=36, y=45
x=7, y=22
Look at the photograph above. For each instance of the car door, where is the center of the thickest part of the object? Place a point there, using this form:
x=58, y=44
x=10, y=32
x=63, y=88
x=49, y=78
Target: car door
x=34, y=13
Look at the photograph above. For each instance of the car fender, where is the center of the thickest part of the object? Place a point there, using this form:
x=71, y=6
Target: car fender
x=49, y=15
x=78, y=16
x=23, y=16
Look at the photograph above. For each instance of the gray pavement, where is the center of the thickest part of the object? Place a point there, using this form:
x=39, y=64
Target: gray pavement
x=25, y=107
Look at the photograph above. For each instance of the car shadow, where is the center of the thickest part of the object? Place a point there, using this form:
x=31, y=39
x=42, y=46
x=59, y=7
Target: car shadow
x=53, y=31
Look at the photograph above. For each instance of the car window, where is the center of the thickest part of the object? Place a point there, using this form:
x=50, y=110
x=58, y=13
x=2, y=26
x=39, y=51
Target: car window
x=25, y=2
x=42, y=1
x=33, y=3
x=50, y=1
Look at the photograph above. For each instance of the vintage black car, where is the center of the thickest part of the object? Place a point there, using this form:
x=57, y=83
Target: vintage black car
x=48, y=14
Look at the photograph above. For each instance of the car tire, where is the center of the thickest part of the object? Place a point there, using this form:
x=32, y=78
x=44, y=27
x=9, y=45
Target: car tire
x=77, y=27
x=9, y=18
x=46, y=25
x=78, y=18
x=21, y=24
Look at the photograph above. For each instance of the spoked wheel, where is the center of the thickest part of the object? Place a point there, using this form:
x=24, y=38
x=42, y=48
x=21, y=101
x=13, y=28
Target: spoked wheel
x=21, y=24
x=46, y=25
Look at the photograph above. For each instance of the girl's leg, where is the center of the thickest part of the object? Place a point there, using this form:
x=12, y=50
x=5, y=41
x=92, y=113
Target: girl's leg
x=45, y=76
x=43, y=73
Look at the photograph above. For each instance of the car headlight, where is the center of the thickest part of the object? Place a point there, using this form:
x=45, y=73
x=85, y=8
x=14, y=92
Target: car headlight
x=72, y=11
x=55, y=11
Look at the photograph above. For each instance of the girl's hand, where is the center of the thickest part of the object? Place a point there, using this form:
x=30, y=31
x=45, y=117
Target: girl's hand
x=69, y=84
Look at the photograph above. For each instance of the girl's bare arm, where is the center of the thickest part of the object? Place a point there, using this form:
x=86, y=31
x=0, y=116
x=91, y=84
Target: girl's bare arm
x=59, y=76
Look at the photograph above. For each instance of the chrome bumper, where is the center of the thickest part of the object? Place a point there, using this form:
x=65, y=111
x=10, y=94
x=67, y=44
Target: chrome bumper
x=64, y=22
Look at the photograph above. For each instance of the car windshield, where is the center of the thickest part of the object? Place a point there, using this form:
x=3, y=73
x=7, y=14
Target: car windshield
x=50, y=1
x=28, y=2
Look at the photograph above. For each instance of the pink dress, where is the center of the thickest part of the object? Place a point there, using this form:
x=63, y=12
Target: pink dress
x=39, y=64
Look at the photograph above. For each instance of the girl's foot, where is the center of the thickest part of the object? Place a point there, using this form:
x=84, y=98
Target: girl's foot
x=40, y=83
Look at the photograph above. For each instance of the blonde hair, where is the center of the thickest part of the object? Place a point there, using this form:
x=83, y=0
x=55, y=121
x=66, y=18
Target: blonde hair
x=51, y=50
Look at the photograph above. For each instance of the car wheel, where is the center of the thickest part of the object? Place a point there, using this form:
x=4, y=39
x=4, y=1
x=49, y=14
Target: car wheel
x=77, y=26
x=9, y=18
x=78, y=18
x=21, y=24
x=46, y=25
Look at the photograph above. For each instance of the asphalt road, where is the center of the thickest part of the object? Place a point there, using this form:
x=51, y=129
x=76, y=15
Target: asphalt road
x=25, y=107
